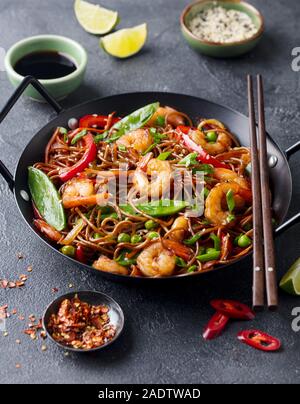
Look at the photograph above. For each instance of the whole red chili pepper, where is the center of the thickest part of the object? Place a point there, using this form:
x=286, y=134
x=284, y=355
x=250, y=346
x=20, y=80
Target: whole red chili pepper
x=215, y=326
x=80, y=255
x=88, y=121
x=89, y=156
x=203, y=156
x=233, y=309
x=259, y=340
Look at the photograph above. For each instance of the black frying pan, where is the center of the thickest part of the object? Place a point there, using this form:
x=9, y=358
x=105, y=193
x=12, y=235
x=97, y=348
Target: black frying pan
x=280, y=174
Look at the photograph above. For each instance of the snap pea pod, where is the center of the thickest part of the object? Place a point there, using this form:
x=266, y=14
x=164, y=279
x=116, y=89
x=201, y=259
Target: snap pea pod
x=135, y=120
x=211, y=254
x=159, y=208
x=46, y=198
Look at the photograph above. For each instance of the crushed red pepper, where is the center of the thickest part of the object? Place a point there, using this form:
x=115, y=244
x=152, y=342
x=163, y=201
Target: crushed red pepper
x=80, y=325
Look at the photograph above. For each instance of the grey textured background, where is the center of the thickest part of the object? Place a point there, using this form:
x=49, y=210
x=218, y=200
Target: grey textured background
x=162, y=340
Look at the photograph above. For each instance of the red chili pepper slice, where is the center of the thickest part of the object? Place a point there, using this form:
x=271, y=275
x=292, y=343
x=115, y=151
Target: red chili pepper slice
x=259, y=340
x=80, y=255
x=203, y=156
x=215, y=326
x=88, y=121
x=89, y=156
x=233, y=309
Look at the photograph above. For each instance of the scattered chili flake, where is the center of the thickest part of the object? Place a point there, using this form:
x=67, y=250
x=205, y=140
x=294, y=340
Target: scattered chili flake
x=18, y=365
x=3, y=283
x=54, y=290
x=80, y=325
x=14, y=311
x=21, y=318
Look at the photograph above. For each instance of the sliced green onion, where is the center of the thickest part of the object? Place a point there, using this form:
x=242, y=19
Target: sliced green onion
x=63, y=131
x=193, y=268
x=160, y=120
x=189, y=160
x=122, y=148
x=180, y=262
x=210, y=255
x=164, y=156
x=79, y=136
x=230, y=218
x=217, y=242
x=230, y=200
x=193, y=240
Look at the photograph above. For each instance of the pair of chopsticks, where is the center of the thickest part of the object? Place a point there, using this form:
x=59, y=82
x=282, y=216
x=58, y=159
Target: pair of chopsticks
x=264, y=270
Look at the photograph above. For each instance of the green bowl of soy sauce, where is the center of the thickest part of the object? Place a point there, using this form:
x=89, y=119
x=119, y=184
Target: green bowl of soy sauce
x=59, y=63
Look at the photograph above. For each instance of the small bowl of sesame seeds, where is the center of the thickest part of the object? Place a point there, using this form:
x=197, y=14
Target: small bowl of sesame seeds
x=227, y=28
x=83, y=321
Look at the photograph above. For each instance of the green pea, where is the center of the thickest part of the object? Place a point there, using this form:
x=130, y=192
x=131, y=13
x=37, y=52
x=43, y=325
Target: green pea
x=98, y=235
x=244, y=241
x=150, y=225
x=136, y=239
x=153, y=235
x=212, y=136
x=124, y=238
x=68, y=250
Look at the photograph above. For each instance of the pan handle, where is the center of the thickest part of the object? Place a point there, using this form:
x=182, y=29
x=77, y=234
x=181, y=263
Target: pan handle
x=292, y=150
x=29, y=80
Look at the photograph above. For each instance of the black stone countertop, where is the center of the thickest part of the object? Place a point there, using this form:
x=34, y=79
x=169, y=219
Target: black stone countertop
x=162, y=340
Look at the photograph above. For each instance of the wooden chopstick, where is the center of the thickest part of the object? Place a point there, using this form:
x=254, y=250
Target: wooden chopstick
x=258, y=292
x=269, y=245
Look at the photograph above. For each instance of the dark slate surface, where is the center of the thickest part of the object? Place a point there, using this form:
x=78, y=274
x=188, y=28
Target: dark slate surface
x=162, y=339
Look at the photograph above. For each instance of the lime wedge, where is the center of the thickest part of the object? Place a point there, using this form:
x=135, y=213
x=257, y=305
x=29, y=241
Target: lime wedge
x=290, y=283
x=95, y=19
x=125, y=42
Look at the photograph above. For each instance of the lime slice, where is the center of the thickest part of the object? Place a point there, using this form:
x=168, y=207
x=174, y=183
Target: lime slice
x=125, y=42
x=95, y=19
x=290, y=283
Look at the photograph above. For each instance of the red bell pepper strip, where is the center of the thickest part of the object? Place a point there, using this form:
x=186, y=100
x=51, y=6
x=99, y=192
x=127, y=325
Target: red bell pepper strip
x=88, y=121
x=233, y=309
x=215, y=326
x=259, y=340
x=80, y=255
x=89, y=156
x=203, y=156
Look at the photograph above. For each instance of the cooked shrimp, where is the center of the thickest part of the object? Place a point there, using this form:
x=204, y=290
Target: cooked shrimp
x=214, y=210
x=222, y=144
x=159, y=184
x=107, y=265
x=139, y=139
x=155, y=260
x=225, y=175
x=179, y=228
x=172, y=117
x=79, y=191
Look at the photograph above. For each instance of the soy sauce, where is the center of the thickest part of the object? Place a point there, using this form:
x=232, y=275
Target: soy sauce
x=45, y=65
